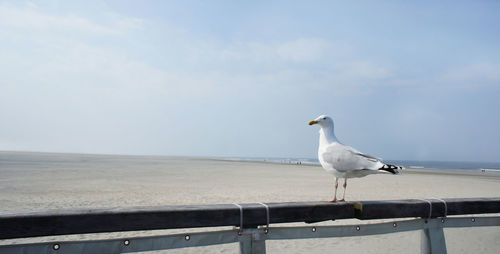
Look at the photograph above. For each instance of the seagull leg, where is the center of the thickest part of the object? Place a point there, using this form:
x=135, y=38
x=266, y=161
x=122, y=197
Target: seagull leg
x=335, y=192
x=345, y=187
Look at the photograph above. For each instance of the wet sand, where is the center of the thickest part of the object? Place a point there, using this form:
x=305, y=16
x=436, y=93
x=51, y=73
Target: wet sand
x=47, y=181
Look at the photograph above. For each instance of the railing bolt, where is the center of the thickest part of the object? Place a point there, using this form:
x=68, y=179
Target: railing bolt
x=394, y=224
x=442, y=220
x=313, y=229
x=56, y=246
x=126, y=242
x=358, y=228
x=187, y=237
x=473, y=219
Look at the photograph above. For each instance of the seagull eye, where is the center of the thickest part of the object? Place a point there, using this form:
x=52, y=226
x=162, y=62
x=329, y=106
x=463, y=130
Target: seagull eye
x=324, y=118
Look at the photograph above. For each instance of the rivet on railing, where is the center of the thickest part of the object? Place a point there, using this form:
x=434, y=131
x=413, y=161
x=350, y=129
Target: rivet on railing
x=313, y=229
x=266, y=230
x=394, y=224
x=56, y=246
x=358, y=228
x=187, y=237
x=126, y=242
x=473, y=219
x=442, y=220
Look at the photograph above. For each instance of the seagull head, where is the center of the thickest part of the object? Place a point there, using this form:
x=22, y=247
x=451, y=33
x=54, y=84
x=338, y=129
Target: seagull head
x=323, y=121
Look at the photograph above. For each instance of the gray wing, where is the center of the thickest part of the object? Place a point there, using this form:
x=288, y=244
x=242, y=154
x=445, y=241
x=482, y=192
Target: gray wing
x=345, y=158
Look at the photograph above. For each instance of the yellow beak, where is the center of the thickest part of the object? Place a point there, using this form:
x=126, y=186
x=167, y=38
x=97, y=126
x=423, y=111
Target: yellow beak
x=313, y=122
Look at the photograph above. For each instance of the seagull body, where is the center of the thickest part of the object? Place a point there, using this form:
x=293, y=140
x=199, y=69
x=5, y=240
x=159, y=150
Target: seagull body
x=344, y=161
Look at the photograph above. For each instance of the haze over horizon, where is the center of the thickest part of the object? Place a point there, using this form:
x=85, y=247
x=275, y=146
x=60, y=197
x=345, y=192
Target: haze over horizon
x=402, y=80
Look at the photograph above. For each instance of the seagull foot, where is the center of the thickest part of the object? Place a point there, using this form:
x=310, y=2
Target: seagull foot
x=341, y=200
x=333, y=201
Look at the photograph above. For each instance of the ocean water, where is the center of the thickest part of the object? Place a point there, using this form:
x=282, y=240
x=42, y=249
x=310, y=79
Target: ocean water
x=456, y=166
x=60, y=160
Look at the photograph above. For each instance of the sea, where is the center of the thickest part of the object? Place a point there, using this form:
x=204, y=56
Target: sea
x=454, y=166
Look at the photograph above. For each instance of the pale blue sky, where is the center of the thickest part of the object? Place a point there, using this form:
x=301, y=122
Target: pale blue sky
x=416, y=80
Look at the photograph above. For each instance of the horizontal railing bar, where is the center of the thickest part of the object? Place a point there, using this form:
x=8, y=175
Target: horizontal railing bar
x=18, y=225
x=127, y=245
x=64, y=222
x=463, y=222
x=290, y=233
x=285, y=233
x=198, y=239
x=420, y=208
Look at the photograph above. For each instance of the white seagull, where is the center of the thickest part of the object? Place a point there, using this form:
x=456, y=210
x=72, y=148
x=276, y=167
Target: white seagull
x=344, y=161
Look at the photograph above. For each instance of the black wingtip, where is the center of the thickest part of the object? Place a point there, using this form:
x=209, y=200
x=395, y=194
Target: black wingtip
x=390, y=168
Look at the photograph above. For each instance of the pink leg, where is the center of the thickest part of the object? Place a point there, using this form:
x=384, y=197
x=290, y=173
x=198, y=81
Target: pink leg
x=335, y=192
x=345, y=187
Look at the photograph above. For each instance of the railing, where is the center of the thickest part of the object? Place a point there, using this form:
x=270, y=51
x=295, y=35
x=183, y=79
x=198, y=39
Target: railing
x=432, y=218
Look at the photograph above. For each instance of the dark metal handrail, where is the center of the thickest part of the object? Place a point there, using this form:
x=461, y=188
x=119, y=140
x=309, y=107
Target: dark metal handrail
x=64, y=222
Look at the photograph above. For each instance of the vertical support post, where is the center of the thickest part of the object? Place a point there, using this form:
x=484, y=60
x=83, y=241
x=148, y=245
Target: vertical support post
x=432, y=240
x=245, y=244
x=252, y=241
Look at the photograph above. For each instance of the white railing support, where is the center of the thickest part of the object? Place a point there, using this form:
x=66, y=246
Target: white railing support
x=252, y=241
x=433, y=241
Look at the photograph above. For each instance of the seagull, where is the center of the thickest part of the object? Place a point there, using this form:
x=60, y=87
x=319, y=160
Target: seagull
x=344, y=161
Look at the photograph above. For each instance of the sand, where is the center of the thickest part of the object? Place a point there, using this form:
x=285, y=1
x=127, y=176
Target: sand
x=47, y=181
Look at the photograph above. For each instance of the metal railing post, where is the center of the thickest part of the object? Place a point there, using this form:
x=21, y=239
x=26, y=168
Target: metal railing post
x=252, y=241
x=432, y=239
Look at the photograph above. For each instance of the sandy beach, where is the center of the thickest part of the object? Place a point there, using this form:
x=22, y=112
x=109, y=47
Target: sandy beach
x=48, y=181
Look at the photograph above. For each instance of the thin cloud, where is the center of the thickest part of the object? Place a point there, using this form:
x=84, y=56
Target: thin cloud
x=474, y=74
x=31, y=18
x=305, y=50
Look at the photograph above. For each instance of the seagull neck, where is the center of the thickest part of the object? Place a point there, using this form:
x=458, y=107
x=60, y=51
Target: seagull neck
x=327, y=136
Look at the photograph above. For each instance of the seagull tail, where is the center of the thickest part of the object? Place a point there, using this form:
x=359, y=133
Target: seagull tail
x=391, y=168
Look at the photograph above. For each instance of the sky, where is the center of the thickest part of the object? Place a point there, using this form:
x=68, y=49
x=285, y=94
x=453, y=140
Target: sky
x=403, y=80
